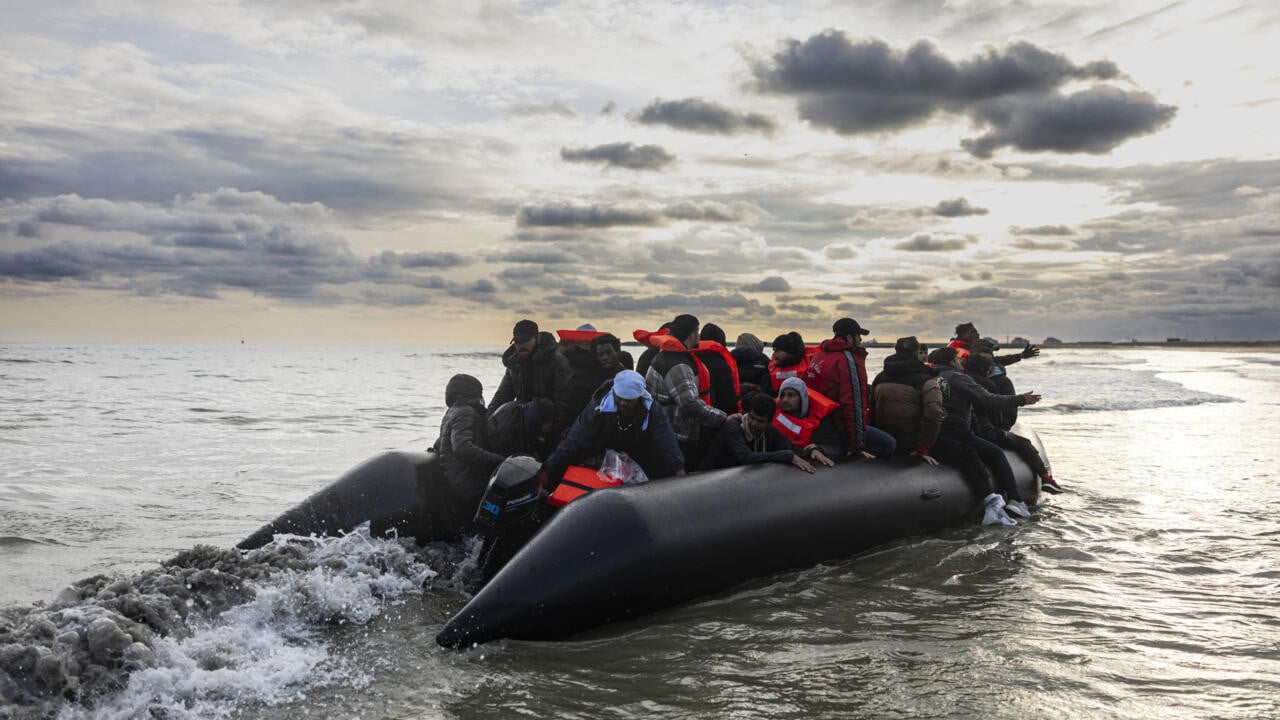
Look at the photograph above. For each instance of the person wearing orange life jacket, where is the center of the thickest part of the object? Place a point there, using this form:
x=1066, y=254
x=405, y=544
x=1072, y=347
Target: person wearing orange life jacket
x=790, y=359
x=673, y=381
x=839, y=371
x=806, y=419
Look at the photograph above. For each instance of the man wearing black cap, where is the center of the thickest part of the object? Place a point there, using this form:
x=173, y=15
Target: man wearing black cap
x=537, y=373
x=839, y=371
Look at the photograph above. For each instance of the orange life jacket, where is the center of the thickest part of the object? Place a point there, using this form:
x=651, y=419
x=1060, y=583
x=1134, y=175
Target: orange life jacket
x=799, y=431
x=664, y=341
x=579, y=481
x=778, y=374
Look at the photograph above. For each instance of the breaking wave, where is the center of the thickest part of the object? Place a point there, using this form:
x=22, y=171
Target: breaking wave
x=205, y=632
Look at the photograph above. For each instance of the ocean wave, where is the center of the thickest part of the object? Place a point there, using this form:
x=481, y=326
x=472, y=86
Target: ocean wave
x=204, y=633
x=1255, y=360
x=17, y=541
x=1103, y=405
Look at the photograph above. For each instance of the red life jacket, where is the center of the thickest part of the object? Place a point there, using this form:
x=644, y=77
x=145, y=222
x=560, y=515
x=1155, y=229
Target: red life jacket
x=579, y=481
x=778, y=374
x=799, y=431
x=664, y=341
x=962, y=348
x=582, y=336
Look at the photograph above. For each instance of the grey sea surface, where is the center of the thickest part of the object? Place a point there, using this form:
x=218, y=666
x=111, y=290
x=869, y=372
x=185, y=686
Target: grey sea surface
x=1150, y=590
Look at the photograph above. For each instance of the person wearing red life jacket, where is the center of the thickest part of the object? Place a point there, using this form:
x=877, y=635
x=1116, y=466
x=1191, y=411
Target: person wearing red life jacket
x=790, y=359
x=673, y=380
x=807, y=420
x=839, y=371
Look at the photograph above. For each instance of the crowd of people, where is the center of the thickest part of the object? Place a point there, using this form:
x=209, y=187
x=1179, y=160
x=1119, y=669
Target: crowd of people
x=689, y=403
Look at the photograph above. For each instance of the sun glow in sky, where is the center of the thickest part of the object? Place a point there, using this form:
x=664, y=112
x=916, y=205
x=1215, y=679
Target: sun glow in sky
x=429, y=172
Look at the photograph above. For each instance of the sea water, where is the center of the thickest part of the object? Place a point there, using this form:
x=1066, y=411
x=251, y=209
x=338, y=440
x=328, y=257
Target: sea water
x=1149, y=590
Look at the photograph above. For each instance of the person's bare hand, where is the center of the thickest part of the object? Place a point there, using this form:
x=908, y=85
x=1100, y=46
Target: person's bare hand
x=801, y=463
x=821, y=458
x=927, y=458
x=1031, y=398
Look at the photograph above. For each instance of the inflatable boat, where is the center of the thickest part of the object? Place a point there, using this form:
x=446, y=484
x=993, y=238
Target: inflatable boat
x=618, y=553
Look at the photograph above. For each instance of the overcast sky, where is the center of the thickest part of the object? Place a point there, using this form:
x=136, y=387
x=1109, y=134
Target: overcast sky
x=430, y=172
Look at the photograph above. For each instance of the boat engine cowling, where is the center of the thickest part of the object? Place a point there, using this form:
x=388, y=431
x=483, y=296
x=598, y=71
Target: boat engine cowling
x=512, y=495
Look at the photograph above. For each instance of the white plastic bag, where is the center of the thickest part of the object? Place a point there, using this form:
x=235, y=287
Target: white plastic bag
x=620, y=466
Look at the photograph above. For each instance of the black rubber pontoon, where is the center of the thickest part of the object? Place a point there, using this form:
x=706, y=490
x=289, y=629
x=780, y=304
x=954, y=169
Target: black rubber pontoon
x=623, y=552
x=401, y=491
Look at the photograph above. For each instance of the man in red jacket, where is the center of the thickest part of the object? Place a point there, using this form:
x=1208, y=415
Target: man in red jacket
x=839, y=371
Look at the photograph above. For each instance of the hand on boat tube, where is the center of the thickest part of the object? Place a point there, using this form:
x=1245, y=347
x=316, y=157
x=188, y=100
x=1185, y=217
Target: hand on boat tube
x=863, y=453
x=817, y=456
x=801, y=463
x=1029, y=398
x=931, y=460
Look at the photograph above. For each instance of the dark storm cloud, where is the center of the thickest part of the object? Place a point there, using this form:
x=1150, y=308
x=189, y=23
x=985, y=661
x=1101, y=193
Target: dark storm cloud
x=536, y=257
x=567, y=215
x=773, y=283
x=959, y=207
x=364, y=173
x=701, y=116
x=412, y=260
x=621, y=155
x=1013, y=93
x=1095, y=120
x=929, y=243
x=585, y=216
x=285, y=262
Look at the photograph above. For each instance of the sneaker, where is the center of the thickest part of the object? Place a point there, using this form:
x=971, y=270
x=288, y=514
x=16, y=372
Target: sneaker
x=1049, y=485
x=994, y=513
x=1017, y=507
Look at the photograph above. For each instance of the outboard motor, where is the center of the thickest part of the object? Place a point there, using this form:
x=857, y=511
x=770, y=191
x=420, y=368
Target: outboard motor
x=512, y=496
x=510, y=513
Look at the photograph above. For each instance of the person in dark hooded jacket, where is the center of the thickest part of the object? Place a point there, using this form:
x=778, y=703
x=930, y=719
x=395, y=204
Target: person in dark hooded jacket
x=753, y=365
x=465, y=456
x=906, y=401
x=961, y=394
x=979, y=366
x=535, y=370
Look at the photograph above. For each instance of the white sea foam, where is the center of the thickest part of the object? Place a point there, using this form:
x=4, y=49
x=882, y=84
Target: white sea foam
x=271, y=649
